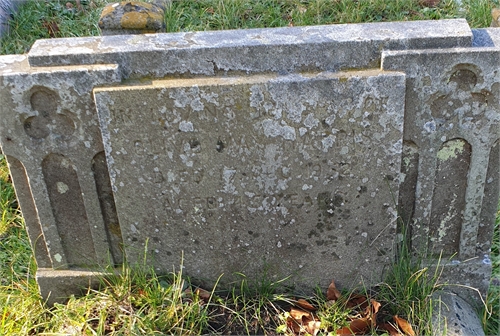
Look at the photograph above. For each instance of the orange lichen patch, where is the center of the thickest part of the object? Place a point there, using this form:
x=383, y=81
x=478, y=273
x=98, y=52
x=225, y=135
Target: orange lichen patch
x=132, y=15
x=107, y=10
x=134, y=20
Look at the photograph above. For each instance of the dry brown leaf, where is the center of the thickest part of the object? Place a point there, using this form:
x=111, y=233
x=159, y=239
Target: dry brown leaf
x=357, y=300
x=371, y=311
x=294, y=325
x=52, y=28
x=344, y=331
x=298, y=314
x=390, y=329
x=305, y=305
x=429, y=3
x=404, y=326
x=360, y=326
x=203, y=294
x=313, y=327
x=332, y=292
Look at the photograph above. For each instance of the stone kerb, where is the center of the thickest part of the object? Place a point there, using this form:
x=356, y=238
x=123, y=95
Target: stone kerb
x=50, y=131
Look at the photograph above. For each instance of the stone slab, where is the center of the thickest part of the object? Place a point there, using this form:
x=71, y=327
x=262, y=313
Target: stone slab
x=279, y=50
x=50, y=136
x=58, y=286
x=451, y=154
x=295, y=175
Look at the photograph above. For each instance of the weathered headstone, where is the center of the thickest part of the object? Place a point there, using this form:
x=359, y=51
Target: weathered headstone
x=177, y=89
x=451, y=156
x=294, y=173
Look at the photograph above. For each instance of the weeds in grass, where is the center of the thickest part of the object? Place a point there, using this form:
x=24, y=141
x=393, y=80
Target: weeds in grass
x=408, y=287
x=491, y=315
x=478, y=12
x=45, y=19
x=55, y=18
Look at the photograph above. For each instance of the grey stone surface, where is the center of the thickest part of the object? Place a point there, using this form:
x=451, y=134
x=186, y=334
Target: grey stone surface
x=453, y=316
x=452, y=120
x=51, y=139
x=282, y=50
x=57, y=286
x=294, y=173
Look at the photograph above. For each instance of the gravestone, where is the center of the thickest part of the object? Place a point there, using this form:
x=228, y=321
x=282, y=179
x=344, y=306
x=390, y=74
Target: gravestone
x=282, y=135
x=293, y=173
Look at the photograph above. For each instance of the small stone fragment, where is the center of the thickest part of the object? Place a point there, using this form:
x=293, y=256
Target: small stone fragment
x=132, y=17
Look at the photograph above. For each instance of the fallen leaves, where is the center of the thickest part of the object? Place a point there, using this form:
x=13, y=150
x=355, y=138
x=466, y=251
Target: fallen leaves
x=429, y=3
x=404, y=326
x=52, y=27
x=362, y=319
x=302, y=322
x=332, y=293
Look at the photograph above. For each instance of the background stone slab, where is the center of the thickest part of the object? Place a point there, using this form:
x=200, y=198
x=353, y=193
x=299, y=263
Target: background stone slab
x=296, y=174
x=278, y=50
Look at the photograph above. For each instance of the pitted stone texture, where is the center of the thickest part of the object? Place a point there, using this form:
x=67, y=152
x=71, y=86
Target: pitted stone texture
x=50, y=135
x=280, y=50
x=452, y=154
x=293, y=173
x=454, y=316
x=132, y=17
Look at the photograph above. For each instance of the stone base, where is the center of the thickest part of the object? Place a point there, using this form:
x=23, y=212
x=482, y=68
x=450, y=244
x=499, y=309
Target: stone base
x=453, y=316
x=56, y=286
x=468, y=279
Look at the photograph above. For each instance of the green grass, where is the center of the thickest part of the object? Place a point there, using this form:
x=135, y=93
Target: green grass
x=45, y=19
x=213, y=15
x=137, y=301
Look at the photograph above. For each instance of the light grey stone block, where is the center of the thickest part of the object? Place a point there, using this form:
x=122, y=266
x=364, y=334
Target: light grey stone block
x=50, y=134
x=282, y=50
x=52, y=142
x=294, y=173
